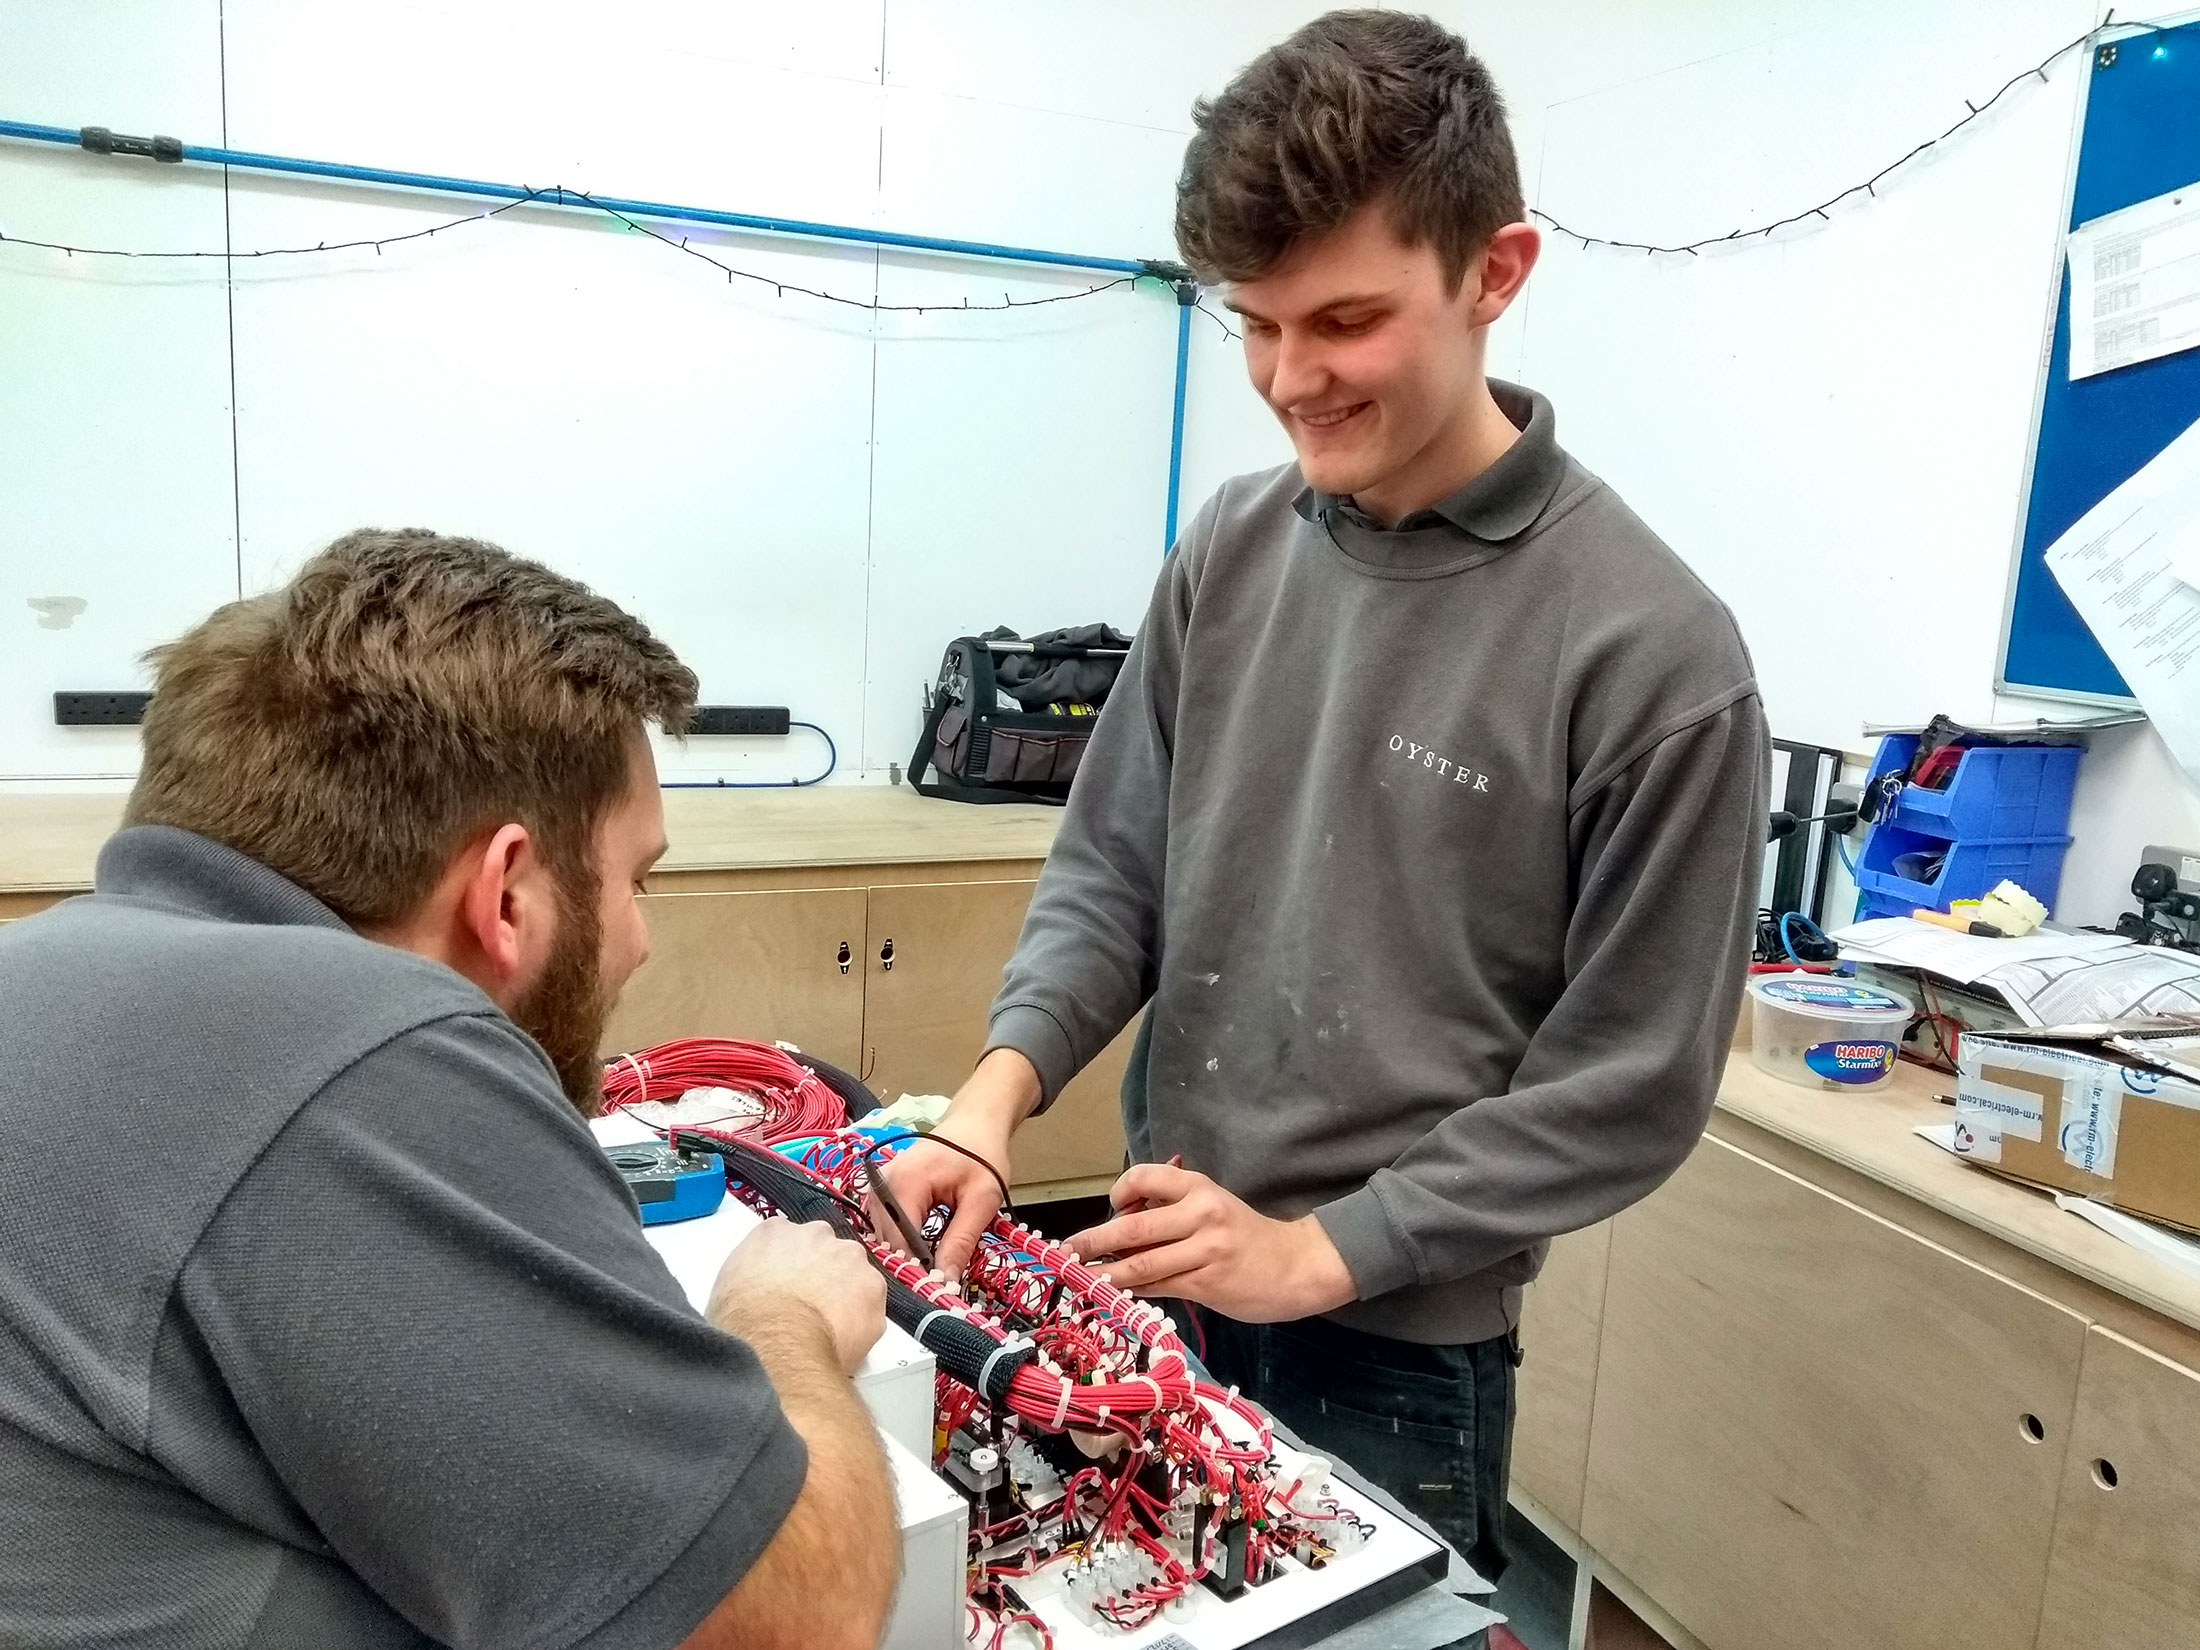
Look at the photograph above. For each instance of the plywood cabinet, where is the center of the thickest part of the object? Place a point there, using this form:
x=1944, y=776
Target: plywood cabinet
x=1560, y=1324
x=2126, y=1564
x=778, y=965
x=1813, y=1428
x=890, y=981
x=934, y=954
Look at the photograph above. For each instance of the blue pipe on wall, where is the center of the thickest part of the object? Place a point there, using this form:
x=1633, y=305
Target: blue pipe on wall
x=617, y=203
x=1186, y=296
x=1186, y=292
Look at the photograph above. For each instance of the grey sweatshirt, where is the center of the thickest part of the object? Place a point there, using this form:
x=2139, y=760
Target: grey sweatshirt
x=1434, y=850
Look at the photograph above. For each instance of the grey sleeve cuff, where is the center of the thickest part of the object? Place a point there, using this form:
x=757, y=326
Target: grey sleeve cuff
x=1038, y=1036
x=1375, y=1252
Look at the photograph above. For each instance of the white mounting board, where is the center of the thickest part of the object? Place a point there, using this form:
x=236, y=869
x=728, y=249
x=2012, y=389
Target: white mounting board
x=1206, y=1622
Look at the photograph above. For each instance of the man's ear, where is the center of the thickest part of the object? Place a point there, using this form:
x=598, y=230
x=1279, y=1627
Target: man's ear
x=1503, y=267
x=507, y=902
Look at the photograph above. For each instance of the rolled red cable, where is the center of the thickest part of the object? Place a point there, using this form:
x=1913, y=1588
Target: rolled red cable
x=796, y=1102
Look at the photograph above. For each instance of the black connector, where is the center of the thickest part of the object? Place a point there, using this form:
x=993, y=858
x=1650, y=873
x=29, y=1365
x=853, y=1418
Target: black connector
x=740, y=720
x=99, y=710
x=1228, y=1578
x=98, y=140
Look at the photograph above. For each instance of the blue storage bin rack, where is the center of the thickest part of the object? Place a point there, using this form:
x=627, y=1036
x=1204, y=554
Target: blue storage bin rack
x=2004, y=814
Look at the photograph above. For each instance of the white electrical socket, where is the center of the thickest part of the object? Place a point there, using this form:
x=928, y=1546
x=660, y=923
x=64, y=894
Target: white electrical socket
x=2184, y=861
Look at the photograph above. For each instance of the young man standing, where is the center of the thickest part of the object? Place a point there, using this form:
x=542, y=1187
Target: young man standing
x=1425, y=816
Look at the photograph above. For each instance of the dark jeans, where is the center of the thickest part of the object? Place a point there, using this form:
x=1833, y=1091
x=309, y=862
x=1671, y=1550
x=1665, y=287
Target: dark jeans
x=1430, y=1424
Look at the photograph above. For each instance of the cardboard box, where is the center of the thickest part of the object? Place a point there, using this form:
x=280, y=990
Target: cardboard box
x=2084, y=1109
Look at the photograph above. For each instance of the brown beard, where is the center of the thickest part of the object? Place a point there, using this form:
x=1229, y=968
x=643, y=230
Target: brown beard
x=566, y=1009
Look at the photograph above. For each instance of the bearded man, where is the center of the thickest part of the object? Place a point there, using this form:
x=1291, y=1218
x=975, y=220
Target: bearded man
x=323, y=1318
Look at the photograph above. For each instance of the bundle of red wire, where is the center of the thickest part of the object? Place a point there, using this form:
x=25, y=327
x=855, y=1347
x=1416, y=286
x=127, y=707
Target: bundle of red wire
x=796, y=1101
x=1108, y=1367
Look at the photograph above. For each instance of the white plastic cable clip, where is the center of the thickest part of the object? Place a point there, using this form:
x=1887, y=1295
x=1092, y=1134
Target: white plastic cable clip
x=1061, y=1409
x=936, y=1312
x=1158, y=1401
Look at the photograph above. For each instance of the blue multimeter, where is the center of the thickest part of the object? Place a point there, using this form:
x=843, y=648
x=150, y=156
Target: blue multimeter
x=670, y=1182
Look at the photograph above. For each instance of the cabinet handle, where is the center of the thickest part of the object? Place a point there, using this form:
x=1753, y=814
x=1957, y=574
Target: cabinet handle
x=847, y=955
x=2104, y=1473
x=886, y=956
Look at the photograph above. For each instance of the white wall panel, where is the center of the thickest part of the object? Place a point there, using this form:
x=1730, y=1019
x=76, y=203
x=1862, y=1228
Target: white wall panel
x=1022, y=473
x=1830, y=427
x=114, y=374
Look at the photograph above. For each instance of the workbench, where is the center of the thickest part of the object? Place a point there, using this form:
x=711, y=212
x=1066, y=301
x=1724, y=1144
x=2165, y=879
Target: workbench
x=1827, y=1387
x=1831, y=1386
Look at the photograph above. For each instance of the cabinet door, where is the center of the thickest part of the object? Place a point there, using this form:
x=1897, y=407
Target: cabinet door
x=934, y=955
x=1560, y=1324
x=2126, y=1567
x=764, y=966
x=1810, y=1425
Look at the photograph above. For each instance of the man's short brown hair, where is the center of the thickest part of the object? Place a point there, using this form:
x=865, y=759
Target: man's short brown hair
x=404, y=693
x=1358, y=106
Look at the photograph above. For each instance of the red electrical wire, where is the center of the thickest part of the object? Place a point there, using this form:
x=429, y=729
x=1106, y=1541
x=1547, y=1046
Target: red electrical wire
x=796, y=1101
x=1108, y=1366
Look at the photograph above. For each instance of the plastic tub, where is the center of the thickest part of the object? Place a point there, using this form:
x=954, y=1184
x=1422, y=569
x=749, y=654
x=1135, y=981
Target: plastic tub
x=1825, y=1033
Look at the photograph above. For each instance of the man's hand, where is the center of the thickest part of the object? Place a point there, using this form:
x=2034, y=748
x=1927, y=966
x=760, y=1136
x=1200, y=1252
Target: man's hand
x=1181, y=1234
x=1000, y=1094
x=810, y=1304
x=782, y=1266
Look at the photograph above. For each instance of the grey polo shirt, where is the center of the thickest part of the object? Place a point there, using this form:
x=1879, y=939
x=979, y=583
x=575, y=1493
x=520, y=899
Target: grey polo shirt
x=323, y=1319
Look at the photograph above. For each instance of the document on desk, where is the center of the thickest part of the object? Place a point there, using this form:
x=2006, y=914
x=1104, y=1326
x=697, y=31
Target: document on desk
x=2055, y=977
x=2104, y=985
x=1964, y=958
x=2135, y=283
x=2119, y=566
x=2170, y=1248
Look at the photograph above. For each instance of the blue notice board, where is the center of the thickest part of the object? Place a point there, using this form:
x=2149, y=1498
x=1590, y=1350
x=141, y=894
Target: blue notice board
x=2139, y=137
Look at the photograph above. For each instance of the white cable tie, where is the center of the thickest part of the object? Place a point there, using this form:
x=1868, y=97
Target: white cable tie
x=985, y=1371
x=1061, y=1409
x=936, y=1312
x=1158, y=1401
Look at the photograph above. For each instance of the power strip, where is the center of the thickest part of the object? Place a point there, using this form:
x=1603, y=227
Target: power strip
x=741, y=721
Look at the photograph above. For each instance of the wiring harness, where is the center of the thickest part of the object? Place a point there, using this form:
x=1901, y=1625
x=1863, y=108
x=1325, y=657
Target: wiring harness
x=1067, y=1410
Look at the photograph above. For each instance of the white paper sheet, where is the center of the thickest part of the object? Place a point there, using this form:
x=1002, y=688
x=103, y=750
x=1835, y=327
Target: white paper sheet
x=2170, y=1248
x=2135, y=283
x=2104, y=985
x=1964, y=958
x=1942, y=1135
x=2115, y=565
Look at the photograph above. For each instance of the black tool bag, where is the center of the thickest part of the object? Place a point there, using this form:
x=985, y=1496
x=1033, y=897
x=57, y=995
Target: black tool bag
x=1009, y=717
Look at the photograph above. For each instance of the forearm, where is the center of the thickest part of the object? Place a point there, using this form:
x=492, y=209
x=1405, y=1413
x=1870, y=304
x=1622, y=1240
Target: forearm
x=843, y=1524
x=1004, y=1090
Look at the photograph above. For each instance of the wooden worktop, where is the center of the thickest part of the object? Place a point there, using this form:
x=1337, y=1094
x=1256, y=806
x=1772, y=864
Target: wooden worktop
x=1871, y=1134
x=48, y=843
